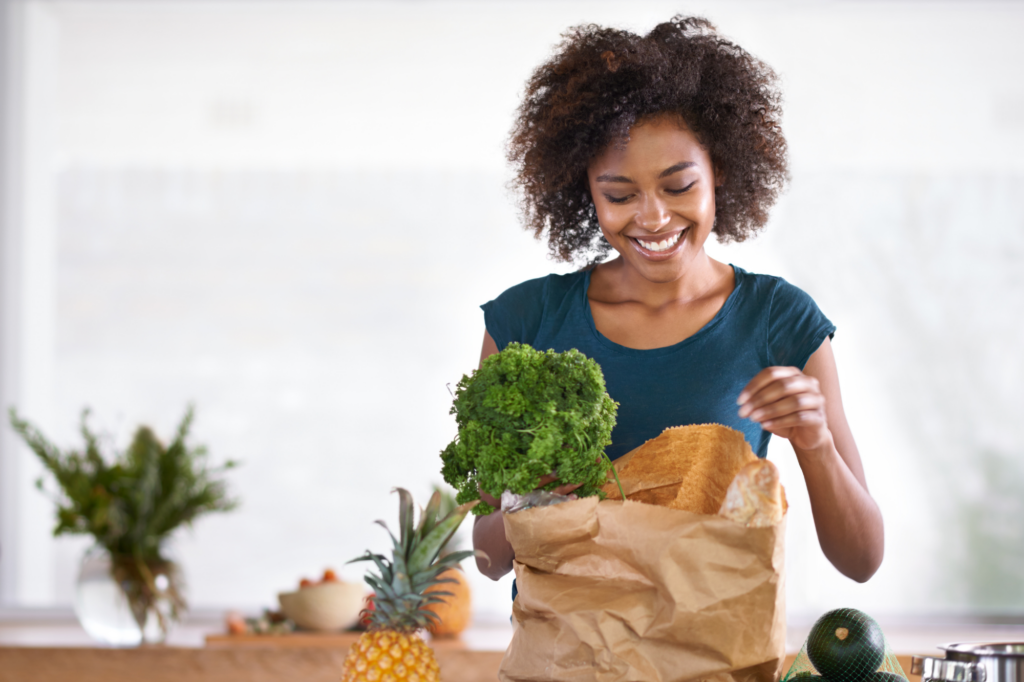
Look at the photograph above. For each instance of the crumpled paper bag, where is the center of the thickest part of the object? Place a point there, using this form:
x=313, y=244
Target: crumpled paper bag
x=625, y=591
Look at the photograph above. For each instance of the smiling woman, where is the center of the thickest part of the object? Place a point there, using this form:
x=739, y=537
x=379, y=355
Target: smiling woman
x=603, y=82
x=646, y=146
x=655, y=202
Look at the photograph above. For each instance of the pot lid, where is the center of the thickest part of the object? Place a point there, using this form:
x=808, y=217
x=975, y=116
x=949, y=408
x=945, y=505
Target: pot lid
x=1012, y=649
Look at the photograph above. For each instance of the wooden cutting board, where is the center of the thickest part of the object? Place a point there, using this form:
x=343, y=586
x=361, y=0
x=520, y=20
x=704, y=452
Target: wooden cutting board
x=339, y=640
x=329, y=640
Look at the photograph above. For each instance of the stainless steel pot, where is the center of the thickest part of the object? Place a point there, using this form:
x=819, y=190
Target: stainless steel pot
x=989, y=662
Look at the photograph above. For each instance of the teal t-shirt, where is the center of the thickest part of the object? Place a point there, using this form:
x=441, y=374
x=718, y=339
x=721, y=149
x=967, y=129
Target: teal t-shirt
x=764, y=322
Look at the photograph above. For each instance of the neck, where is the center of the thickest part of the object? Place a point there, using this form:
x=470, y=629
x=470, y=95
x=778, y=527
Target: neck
x=699, y=276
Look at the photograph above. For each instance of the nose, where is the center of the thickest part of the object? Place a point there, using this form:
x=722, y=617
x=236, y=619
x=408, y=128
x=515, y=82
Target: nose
x=651, y=214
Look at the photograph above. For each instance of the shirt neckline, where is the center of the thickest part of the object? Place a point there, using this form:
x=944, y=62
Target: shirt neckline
x=730, y=303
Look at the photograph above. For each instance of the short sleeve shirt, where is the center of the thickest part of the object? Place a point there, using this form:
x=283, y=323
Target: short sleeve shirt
x=764, y=322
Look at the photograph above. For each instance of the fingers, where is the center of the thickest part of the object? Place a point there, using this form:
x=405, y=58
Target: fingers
x=763, y=378
x=544, y=480
x=566, y=489
x=784, y=405
x=812, y=418
x=786, y=402
x=776, y=384
x=490, y=499
x=560, y=490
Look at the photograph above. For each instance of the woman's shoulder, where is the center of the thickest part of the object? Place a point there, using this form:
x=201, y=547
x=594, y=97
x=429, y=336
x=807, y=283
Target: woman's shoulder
x=543, y=288
x=795, y=325
x=516, y=314
x=772, y=290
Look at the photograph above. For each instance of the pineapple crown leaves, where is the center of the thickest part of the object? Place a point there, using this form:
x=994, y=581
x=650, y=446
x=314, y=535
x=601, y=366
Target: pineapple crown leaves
x=448, y=504
x=415, y=564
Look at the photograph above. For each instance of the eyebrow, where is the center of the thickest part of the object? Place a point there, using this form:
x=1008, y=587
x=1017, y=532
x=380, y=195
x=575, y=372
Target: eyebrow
x=664, y=174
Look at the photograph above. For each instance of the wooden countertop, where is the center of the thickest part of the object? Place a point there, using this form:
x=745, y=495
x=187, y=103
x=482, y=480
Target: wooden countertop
x=214, y=664
x=306, y=657
x=56, y=652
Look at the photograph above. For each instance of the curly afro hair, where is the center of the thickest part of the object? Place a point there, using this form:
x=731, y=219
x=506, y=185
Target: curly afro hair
x=601, y=82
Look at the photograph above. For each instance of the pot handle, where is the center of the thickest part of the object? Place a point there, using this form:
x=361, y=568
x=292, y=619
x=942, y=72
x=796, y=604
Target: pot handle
x=942, y=670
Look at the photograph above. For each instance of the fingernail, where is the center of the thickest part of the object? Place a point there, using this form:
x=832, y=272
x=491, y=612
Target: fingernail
x=745, y=410
x=742, y=399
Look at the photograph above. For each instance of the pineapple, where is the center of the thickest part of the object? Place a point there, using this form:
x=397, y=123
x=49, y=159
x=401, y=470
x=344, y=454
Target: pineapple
x=392, y=651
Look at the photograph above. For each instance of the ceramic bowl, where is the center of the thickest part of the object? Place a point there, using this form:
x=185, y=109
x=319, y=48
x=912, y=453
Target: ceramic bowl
x=325, y=607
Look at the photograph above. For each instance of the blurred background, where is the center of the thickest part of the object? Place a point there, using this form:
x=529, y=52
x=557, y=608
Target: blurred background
x=288, y=213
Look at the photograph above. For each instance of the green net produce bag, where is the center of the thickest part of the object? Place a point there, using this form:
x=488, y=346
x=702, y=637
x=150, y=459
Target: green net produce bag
x=845, y=645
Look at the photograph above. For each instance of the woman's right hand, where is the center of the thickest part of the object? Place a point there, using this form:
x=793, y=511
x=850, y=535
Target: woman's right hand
x=489, y=532
x=566, y=489
x=491, y=500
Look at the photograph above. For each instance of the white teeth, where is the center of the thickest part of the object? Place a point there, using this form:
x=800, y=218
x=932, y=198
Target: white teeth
x=662, y=245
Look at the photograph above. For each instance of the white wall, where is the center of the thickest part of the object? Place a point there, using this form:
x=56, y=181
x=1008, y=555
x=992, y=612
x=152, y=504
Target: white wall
x=288, y=213
x=28, y=292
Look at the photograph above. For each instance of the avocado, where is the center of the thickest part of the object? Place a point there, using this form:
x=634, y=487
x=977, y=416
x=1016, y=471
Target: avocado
x=885, y=677
x=846, y=645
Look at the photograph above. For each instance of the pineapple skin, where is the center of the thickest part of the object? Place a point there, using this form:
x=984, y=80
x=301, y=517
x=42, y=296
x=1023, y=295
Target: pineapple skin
x=390, y=656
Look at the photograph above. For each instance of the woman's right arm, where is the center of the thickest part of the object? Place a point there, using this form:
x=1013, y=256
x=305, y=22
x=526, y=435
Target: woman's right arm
x=489, y=536
x=489, y=531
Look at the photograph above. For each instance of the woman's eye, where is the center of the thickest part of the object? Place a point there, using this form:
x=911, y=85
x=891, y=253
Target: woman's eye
x=677, y=192
x=617, y=200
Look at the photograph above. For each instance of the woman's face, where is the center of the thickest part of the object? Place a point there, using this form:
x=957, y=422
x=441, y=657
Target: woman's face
x=655, y=197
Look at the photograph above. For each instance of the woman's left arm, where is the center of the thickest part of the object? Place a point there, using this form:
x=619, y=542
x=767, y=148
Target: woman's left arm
x=807, y=408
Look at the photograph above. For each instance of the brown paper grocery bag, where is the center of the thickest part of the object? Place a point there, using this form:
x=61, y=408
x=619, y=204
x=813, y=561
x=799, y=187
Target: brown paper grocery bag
x=625, y=591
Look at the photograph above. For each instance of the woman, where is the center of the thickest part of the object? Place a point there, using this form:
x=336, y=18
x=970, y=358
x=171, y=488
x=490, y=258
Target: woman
x=645, y=146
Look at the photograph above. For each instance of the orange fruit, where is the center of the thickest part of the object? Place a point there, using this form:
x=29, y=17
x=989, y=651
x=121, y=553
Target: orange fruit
x=454, y=613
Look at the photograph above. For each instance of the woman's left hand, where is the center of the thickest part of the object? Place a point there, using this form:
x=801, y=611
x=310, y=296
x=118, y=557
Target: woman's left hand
x=787, y=403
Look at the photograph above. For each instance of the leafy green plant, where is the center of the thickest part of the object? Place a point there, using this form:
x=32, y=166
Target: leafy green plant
x=525, y=414
x=131, y=501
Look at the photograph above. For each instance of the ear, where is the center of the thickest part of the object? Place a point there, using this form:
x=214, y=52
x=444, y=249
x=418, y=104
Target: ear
x=719, y=176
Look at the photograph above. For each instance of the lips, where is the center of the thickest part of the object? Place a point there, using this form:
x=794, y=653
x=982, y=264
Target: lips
x=659, y=248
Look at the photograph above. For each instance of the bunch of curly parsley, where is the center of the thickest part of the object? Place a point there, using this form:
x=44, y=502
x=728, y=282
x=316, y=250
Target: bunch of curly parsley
x=525, y=414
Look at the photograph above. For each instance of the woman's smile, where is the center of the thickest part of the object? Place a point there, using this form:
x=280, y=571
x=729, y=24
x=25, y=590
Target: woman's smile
x=655, y=198
x=659, y=247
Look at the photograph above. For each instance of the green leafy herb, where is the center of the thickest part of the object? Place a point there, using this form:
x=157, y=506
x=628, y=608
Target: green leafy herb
x=132, y=501
x=525, y=414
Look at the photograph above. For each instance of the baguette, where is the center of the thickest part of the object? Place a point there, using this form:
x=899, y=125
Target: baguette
x=686, y=467
x=755, y=498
